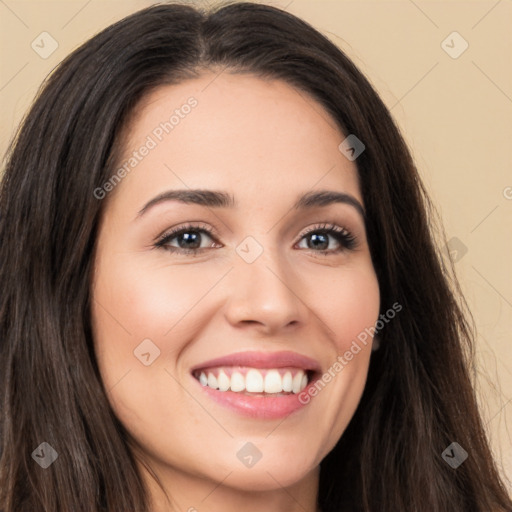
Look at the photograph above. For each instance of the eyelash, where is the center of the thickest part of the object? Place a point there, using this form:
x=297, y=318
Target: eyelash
x=346, y=240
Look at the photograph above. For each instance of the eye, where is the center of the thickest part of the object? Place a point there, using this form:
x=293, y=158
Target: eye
x=185, y=239
x=318, y=238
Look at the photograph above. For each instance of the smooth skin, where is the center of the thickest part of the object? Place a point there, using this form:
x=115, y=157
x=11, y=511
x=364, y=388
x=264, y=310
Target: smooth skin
x=265, y=143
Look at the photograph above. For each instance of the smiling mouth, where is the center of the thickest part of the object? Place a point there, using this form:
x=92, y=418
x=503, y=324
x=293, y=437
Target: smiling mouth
x=255, y=381
x=259, y=385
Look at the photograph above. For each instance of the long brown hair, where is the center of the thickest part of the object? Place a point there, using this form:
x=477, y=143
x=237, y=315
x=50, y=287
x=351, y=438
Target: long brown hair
x=419, y=396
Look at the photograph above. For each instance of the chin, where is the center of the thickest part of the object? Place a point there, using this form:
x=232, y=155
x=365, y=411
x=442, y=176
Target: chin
x=271, y=474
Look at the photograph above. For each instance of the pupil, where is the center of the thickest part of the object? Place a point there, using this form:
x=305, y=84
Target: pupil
x=324, y=243
x=191, y=237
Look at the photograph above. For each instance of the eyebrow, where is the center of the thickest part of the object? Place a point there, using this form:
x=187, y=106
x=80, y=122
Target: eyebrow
x=220, y=199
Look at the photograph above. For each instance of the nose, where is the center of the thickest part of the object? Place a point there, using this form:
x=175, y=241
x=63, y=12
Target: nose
x=265, y=295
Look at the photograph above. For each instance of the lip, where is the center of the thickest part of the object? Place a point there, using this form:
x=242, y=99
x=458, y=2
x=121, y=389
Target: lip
x=262, y=360
x=260, y=406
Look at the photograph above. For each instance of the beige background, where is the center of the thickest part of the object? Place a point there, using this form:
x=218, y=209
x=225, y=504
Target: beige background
x=456, y=114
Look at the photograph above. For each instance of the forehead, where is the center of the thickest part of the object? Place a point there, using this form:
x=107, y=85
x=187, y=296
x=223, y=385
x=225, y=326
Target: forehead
x=238, y=132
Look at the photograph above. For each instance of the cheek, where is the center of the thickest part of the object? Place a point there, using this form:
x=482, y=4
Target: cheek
x=135, y=301
x=350, y=306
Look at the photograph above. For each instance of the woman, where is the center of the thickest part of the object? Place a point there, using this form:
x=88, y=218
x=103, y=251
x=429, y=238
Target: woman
x=221, y=288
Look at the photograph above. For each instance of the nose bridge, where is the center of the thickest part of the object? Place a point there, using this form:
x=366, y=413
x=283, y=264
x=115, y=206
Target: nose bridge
x=262, y=286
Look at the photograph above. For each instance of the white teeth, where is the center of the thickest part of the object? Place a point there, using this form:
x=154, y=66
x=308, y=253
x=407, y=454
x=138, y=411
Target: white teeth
x=273, y=382
x=270, y=381
x=237, y=382
x=254, y=381
x=297, y=380
x=223, y=381
x=287, y=382
x=212, y=381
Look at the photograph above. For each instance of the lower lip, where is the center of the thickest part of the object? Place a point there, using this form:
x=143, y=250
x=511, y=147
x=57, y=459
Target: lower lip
x=262, y=406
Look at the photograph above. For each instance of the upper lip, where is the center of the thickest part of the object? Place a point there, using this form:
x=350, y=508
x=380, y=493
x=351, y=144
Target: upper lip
x=257, y=359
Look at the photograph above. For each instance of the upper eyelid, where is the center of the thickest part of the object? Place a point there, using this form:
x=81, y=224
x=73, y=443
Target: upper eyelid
x=325, y=226
x=173, y=232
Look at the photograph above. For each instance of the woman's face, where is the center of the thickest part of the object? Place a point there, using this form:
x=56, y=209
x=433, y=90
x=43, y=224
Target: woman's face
x=250, y=292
